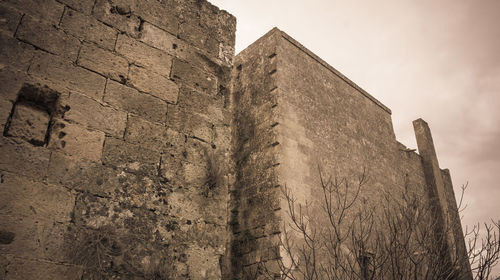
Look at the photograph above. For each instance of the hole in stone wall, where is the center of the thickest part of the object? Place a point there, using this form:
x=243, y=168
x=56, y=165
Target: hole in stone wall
x=31, y=114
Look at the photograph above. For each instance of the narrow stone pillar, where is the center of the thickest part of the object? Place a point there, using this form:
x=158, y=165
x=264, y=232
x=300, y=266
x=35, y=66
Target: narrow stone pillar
x=435, y=182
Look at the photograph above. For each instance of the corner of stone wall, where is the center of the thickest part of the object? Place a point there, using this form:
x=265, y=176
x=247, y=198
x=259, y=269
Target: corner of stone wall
x=255, y=208
x=115, y=146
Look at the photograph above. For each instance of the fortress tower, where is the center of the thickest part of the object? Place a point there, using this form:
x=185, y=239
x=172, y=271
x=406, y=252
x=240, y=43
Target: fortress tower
x=297, y=120
x=135, y=145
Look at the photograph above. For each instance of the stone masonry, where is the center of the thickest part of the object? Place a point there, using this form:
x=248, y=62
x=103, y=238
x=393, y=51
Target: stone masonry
x=114, y=154
x=134, y=147
x=295, y=114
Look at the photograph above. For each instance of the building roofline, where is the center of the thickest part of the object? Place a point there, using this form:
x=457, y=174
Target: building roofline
x=289, y=38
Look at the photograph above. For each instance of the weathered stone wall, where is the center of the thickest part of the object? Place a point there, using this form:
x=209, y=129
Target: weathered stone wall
x=114, y=156
x=318, y=121
x=255, y=200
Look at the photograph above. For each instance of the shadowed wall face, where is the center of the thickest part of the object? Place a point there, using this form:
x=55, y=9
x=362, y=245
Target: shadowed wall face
x=114, y=153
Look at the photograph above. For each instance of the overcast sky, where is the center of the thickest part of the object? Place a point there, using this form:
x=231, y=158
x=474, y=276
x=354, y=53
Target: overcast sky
x=434, y=59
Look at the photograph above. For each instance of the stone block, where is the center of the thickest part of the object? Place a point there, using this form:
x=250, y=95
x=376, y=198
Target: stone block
x=159, y=38
x=227, y=27
x=47, y=37
x=129, y=99
x=29, y=123
x=143, y=132
x=178, y=170
x=171, y=168
x=194, y=174
x=5, y=109
x=103, y=118
x=60, y=75
x=161, y=14
x=143, y=55
x=134, y=158
x=84, y=6
x=176, y=145
x=191, y=124
x=21, y=198
x=76, y=141
x=11, y=82
x=48, y=10
x=82, y=175
x=103, y=62
x=203, y=263
x=182, y=204
x=194, y=77
x=33, y=237
x=196, y=152
x=222, y=138
x=89, y=29
x=14, y=53
x=22, y=158
x=9, y=19
x=21, y=269
x=157, y=85
x=119, y=15
x=205, y=105
x=199, y=37
x=4, y=262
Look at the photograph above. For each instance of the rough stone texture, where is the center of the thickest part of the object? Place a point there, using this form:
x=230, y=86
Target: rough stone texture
x=89, y=29
x=129, y=99
x=163, y=14
x=5, y=108
x=191, y=124
x=63, y=76
x=128, y=135
x=92, y=166
x=9, y=19
x=29, y=123
x=103, y=62
x=76, y=141
x=103, y=118
x=81, y=175
x=48, y=10
x=84, y=6
x=143, y=132
x=47, y=37
x=36, y=216
x=155, y=84
x=193, y=77
x=134, y=158
x=14, y=54
x=304, y=114
x=22, y=158
x=119, y=15
x=143, y=55
x=42, y=270
x=12, y=82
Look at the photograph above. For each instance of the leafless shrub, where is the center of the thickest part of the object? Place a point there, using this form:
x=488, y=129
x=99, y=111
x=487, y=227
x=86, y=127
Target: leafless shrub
x=340, y=237
x=484, y=249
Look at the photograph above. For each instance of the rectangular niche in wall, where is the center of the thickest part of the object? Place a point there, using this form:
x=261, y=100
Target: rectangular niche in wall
x=31, y=114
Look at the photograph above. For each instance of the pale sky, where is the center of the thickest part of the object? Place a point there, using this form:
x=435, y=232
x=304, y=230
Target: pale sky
x=434, y=59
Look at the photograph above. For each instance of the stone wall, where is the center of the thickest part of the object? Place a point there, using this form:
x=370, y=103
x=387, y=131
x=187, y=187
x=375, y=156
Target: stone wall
x=131, y=148
x=255, y=220
x=306, y=118
x=114, y=157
